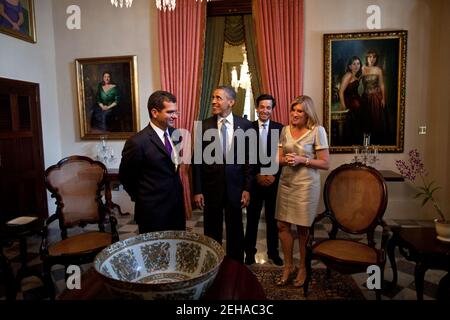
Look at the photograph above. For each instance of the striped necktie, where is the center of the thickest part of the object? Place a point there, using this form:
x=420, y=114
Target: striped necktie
x=167, y=144
x=223, y=130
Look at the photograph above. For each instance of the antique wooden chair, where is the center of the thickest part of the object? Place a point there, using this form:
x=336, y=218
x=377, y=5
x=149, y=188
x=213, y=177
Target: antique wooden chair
x=76, y=182
x=355, y=199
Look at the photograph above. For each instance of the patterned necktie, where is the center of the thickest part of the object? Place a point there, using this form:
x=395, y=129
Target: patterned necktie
x=167, y=143
x=263, y=137
x=223, y=130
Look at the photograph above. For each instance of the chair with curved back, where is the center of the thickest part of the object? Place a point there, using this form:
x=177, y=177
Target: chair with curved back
x=355, y=199
x=76, y=182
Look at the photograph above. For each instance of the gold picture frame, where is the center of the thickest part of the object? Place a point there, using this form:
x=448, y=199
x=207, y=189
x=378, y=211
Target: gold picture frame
x=18, y=20
x=107, y=107
x=370, y=100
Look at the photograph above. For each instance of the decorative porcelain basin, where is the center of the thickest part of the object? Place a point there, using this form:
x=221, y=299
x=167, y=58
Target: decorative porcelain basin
x=160, y=265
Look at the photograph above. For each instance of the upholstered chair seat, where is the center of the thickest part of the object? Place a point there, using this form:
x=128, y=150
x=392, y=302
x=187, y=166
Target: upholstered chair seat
x=346, y=251
x=81, y=243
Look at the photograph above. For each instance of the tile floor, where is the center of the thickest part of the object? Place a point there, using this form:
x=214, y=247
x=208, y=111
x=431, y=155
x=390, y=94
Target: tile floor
x=32, y=288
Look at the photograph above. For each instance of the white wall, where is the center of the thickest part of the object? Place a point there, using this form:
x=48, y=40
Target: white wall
x=109, y=31
x=422, y=18
x=35, y=62
x=105, y=31
x=438, y=102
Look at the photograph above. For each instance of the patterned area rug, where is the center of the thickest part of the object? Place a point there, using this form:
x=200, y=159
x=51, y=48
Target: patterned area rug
x=337, y=287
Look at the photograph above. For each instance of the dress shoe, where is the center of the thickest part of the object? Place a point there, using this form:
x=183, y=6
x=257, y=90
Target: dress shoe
x=276, y=260
x=250, y=260
x=285, y=281
x=298, y=283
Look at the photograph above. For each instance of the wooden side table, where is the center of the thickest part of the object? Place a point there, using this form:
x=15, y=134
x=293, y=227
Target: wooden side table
x=419, y=244
x=391, y=176
x=20, y=232
x=7, y=276
x=234, y=281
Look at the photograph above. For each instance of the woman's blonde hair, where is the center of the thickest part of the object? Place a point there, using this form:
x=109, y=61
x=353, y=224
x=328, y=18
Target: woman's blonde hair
x=308, y=108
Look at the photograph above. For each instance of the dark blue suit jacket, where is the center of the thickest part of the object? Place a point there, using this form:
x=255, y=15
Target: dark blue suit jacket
x=223, y=182
x=152, y=181
x=272, y=126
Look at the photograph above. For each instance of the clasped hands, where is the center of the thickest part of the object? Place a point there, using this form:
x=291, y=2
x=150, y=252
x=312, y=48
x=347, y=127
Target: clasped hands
x=104, y=107
x=292, y=159
x=265, y=180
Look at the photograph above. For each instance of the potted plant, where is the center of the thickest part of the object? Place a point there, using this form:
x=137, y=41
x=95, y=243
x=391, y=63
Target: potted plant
x=415, y=169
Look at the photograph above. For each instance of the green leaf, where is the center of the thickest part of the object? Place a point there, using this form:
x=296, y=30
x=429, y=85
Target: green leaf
x=425, y=200
x=437, y=188
x=418, y=195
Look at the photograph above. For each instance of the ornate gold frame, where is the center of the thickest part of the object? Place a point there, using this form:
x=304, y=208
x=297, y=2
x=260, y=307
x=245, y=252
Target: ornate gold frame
x=89, y=72
x=341, y=46
x=30, y=35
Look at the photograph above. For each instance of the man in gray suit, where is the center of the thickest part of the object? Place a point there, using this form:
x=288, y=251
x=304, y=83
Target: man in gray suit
x=149, y=172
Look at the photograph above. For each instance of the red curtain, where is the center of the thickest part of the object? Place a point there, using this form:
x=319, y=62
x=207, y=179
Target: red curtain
x=280, y=41
x=181, y=42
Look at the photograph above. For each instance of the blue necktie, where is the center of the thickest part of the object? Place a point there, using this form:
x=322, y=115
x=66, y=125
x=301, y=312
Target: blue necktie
x=223, y=129
x=167, y=143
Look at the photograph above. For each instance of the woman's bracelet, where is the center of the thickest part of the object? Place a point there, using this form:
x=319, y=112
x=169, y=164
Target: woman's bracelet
x=307, y=162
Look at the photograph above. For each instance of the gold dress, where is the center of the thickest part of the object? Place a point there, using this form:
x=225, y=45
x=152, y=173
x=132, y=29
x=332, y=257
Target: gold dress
x=299, y=187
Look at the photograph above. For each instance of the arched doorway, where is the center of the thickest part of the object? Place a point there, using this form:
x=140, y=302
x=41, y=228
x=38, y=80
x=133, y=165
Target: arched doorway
x=229, y=27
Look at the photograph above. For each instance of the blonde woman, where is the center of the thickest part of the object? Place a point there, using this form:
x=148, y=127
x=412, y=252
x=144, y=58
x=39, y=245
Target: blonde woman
x=303, y=151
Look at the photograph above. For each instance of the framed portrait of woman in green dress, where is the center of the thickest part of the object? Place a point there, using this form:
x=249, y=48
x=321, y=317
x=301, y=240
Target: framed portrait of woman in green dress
x=364, y=90
x=107, y=97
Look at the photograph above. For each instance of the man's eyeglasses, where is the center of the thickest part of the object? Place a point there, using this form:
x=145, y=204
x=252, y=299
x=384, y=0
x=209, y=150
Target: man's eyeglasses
x=173, y=113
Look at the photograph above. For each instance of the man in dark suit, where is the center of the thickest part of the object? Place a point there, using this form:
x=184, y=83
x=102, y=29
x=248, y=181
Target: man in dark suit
x=223, y=184
x=149, y=169
x=265, y=186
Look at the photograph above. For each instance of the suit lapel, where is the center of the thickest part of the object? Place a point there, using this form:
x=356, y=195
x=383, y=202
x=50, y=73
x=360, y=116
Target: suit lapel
x=156, y=140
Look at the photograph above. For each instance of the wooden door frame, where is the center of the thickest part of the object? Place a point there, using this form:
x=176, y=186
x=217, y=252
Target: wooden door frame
x=12, y=85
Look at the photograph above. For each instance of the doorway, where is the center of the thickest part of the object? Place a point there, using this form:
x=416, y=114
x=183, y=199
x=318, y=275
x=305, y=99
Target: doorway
x=22, y=187
x=230, y=53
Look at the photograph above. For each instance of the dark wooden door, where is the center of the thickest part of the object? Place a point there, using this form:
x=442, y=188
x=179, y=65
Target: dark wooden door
x=22, y=188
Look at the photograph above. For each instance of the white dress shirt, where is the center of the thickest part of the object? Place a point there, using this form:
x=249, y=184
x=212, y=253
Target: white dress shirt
x=160, y=133
x=230, y=128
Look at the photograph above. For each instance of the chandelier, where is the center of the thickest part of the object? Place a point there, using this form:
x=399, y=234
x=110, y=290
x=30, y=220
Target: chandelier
x=166, y=4
x=160, y=4
x=120, y=3
x=169, y=4
x=244, y=80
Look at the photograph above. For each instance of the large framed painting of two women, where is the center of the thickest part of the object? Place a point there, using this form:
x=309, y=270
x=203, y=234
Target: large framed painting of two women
x=107, y=97
x=364, y=89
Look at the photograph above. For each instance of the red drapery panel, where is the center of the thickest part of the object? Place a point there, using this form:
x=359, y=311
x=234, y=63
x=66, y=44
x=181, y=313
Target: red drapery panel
x=181, y=41
x=280, y=41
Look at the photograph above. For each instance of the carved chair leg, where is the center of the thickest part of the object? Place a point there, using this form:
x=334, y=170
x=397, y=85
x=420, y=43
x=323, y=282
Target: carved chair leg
x=48, y=281
x=308, y=272
x=7, y=276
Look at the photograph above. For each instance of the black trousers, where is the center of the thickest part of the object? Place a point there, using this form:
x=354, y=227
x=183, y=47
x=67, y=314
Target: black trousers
x=267, y=196
x=213, y=227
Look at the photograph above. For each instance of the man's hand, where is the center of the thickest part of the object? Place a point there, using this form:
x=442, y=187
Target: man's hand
x=245, y=199
x=264, y=180
x=199, y=201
